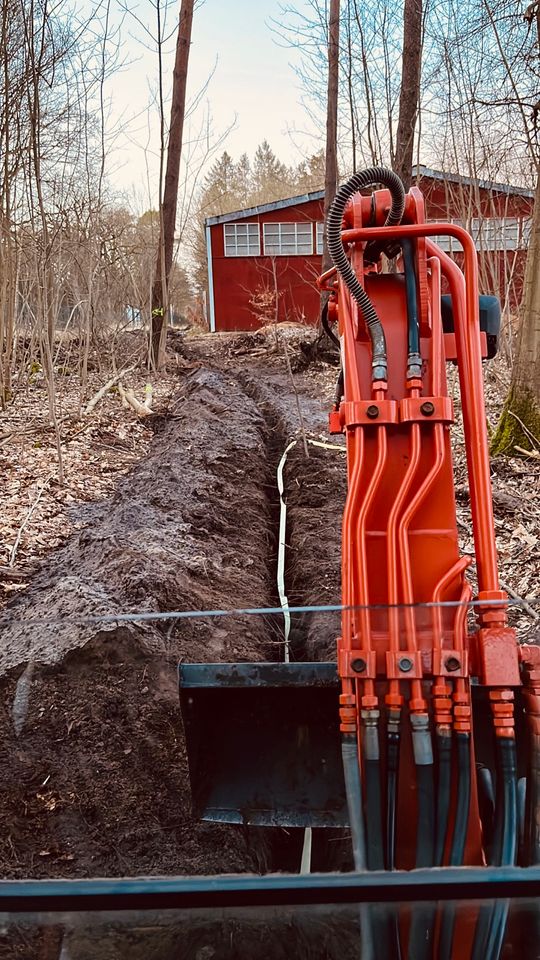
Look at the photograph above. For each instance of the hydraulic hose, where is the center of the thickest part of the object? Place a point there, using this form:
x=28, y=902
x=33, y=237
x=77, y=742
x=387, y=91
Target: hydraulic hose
x=382, y=920
x=531, y=839
x=443, y=740
x=340, y=386
x=532, y=823
x=506, y=750
x=353, y=790
x=372, y=764
x=459, y=837
x=486, y=800
x=425, y=792
x=359, y=181
x=392, y=767
x=491, y=924
x=326, y=326
x=414, y=360
x=508, y=769
x=423, y=919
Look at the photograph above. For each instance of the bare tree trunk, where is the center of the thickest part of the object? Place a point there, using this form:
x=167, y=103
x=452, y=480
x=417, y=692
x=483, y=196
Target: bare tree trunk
x=165, y=251
x=519, y=425
x=409, y=97
x=331, y=170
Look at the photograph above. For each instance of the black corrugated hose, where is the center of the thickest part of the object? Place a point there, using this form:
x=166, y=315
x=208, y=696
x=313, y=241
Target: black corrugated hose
x=334, y=223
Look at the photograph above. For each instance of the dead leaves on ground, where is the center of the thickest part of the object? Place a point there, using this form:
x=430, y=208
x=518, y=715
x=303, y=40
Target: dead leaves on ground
x=96, y=452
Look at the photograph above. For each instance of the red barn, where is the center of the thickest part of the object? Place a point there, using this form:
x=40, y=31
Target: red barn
x=262, y=262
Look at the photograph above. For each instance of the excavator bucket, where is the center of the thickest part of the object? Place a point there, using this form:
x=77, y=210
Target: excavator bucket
x=263, y=743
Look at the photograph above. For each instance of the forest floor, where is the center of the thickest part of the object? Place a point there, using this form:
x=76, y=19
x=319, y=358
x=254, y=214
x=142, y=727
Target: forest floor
x=174, y=511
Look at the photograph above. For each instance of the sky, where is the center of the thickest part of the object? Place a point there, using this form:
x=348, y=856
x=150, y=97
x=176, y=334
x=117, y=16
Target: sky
x=253, y=93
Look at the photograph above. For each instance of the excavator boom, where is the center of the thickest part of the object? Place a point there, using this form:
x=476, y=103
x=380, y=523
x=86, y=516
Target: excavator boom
x=435, y=695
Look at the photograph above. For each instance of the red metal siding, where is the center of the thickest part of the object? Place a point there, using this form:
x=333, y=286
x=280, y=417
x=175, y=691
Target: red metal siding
x=446, y=199
x=238, y=280
x=501, y=272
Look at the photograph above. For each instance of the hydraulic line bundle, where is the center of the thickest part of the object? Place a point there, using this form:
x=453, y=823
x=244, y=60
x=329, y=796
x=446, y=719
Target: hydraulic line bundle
x=439, y=717
x=405, y=657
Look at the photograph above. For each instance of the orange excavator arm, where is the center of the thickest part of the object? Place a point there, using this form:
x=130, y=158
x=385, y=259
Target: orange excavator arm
x=406, y=658
x=421, y=756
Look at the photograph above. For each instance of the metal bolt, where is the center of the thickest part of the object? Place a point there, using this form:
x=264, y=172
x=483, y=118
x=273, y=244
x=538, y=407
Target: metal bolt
x=405, y=664
x=427, y=408
x=358, y=665
x=452, y=664
x=372, y=411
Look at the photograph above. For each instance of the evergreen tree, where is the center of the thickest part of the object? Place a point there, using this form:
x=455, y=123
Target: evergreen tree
x=224, y=189
x=272, y=180
x=231, y=185
x=220, y=190
x=310, y=174
x=243, y=188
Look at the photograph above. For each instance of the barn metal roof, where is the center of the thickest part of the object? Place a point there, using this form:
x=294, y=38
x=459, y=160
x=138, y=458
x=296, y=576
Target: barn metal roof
x=420, y=171
x=508, y=188
x=264, y=208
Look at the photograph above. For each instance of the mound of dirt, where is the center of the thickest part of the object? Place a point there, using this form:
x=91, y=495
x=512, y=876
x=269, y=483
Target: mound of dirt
x=94, y=770
x=94, y=777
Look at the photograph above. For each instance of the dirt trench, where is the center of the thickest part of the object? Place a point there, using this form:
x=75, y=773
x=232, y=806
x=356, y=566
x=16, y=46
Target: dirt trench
x=93, y=768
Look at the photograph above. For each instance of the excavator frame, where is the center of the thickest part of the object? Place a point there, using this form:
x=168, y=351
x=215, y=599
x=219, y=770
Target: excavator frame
x=430, y=701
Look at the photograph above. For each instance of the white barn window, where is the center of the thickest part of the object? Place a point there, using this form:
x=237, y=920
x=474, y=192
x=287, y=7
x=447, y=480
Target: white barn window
x=242, y=239
x=495, y=233
x=288, y=239
x=489, y=234
x=320, y=231
x=525, y=233
x=446, y=243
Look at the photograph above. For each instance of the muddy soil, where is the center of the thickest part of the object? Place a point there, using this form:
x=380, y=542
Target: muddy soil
x=93, y=768
x=317, y=933
x=315, y=491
